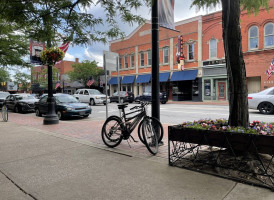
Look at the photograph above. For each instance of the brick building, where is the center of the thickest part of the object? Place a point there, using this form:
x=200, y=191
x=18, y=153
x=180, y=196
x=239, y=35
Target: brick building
x=63, y=67
x=204, y=76
x=135, y=60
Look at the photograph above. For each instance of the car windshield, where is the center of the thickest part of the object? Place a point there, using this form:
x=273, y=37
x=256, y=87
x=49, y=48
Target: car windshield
x=66, y=99
x=94, y=92
x=4, y=95
x=24, y=97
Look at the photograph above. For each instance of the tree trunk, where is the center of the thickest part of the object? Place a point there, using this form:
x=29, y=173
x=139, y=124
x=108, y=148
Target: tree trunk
x=236, y=73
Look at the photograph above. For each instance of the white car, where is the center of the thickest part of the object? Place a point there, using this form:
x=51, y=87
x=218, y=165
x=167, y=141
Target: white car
x=262, y=101
x=91, y=96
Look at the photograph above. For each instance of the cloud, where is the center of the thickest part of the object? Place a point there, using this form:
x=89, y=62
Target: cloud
x=98, y=57
x=69, y=57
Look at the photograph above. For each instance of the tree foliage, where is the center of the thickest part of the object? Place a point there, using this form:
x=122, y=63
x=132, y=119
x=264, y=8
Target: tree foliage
x=4, y=75
x=71, y=20
x=22, y=80
x=83, y=71
x=13, y=45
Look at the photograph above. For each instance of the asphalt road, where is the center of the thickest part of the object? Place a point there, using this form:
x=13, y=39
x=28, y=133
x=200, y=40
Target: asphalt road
x=178, y=113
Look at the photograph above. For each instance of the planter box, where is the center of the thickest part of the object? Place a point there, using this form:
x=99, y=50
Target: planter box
x=231, y=140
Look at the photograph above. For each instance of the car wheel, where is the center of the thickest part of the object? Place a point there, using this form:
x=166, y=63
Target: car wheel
x=163, y=102
x=59, y=115
x=37, y=113
x=92, y=102
x=266, y=108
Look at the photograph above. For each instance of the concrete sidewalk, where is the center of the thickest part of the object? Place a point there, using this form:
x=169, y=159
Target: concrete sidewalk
x=37, y=164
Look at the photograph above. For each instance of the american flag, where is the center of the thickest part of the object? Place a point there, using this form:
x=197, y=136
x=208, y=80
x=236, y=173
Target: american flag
x=270, y=69
x=57, y=85
x=90, y=81
x=64, y=47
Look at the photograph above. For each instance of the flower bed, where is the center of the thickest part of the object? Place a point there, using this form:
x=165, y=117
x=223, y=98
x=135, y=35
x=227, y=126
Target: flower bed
x=226, y=151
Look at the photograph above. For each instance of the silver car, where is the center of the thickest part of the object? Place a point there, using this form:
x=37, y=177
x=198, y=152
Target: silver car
x=262, y=101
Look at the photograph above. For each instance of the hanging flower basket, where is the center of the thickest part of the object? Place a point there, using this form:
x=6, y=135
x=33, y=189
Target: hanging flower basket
x=50, y=56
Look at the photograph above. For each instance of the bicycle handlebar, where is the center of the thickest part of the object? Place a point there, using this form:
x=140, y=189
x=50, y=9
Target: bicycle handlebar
x=143, y=104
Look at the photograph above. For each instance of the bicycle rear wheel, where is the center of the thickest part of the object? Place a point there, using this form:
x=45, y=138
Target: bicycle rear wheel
x=112, y=131
x=4, y=112
x=150, y=136
x=155, y=123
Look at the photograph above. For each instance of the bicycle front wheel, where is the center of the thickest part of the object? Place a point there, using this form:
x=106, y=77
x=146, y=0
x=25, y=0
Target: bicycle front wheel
x=155, y=123
x=4, y=112
x=112, y=132
x=150, y=136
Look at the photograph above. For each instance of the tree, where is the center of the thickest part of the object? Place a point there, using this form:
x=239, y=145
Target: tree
x=4, y=75
x=236, y=72
x=22, y=80
x=13, y=45
x=43, y=77
x=83, y=71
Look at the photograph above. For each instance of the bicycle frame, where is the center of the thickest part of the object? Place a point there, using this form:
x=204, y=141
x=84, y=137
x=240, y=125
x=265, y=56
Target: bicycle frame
x=130, y=126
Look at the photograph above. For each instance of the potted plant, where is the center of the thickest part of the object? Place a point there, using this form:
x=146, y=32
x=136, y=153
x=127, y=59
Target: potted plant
x=50, y=56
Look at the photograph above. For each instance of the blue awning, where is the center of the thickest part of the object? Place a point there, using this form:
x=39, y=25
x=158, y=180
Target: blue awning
x=184, y=75
x=113, y=81
x=143, y=78
x=163, y=77
x=128, y=79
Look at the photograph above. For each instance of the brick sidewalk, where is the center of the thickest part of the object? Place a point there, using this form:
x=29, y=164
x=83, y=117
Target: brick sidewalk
x=86, y=130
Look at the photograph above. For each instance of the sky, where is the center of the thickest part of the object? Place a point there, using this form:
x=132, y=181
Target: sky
x=95, y=52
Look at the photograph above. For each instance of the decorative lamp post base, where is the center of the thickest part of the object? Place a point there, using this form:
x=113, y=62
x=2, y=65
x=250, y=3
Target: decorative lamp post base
x=51, y=119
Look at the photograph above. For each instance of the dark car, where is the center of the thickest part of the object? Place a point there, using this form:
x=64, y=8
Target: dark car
x=66, y=106
x=3, y=96
x=124, y=97
x=20, y=103
x=146, y=96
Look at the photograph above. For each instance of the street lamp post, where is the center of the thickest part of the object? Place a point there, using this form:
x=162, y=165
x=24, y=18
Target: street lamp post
x=155, y=107
x=51, y=117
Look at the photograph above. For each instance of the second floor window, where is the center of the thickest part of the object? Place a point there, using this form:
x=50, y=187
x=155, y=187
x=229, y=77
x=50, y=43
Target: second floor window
x=191, y=51
x=126, y=61
x=149, y=61
x=120, y=62
x=269, y=35
x=132, y=60
x=142, y=59
x=253, y=37
x=213, y=48
x=165, y=54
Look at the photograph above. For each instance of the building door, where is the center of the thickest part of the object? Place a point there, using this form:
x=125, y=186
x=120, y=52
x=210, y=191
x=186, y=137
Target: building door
x=221, y=91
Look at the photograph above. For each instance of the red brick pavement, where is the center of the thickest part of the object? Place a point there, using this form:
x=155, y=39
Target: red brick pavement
x=89, y=130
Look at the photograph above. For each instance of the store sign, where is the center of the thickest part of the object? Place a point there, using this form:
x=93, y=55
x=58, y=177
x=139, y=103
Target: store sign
x=11, y=86
x=213, y=62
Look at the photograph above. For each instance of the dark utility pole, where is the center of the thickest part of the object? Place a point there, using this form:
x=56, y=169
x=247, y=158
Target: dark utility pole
x=155, y=109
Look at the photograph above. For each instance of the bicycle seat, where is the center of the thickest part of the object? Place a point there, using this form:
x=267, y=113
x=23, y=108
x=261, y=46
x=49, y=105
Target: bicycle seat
x=122, y=106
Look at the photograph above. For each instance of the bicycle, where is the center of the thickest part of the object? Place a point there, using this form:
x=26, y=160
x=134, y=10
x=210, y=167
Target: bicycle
x=4, y=113
x=115, y=129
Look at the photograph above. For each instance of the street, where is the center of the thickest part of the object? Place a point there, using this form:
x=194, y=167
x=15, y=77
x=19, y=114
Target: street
x=178, y=113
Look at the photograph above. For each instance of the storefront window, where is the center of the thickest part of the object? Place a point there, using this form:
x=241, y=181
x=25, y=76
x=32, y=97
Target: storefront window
x=207, y=88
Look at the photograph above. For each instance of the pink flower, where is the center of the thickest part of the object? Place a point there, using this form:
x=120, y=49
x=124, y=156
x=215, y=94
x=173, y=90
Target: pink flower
x=263, y=133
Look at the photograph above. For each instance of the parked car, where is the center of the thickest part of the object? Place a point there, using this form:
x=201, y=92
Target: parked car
x=262, y=101
x=66, y=106
x=124, y=97
x=20, y=103
x=146, y=96
x=3, y=96
x=91, y=96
